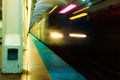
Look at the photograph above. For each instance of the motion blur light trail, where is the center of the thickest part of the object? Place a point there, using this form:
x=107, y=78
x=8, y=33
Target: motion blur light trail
x=85, y=8
x=78, y=35
x=53, y=9
x=68, y=8
x=78, y=16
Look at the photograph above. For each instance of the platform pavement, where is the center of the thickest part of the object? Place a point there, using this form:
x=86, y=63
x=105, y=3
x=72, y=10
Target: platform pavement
x=40, y=63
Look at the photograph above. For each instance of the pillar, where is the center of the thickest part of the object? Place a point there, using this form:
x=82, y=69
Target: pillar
x=12, y=39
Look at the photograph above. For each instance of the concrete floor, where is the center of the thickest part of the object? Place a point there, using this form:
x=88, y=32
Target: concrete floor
x=40, y=63
x=33, y=66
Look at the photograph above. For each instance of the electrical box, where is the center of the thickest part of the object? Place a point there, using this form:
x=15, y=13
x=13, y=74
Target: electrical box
x=12, y=36
x=12, y=54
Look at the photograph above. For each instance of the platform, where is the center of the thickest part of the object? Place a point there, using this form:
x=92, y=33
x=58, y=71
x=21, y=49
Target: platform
x=41, y=63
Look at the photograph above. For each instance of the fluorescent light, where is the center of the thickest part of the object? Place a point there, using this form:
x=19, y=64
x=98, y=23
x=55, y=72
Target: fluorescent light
x=83, y=0
x=85, y=8
x=78, y=16
x=68, y=8
x=53, y=9
x=78, y=35
x=90, y=3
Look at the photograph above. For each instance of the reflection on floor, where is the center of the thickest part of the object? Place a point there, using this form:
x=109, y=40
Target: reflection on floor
x=40, y=63
x=57, y=68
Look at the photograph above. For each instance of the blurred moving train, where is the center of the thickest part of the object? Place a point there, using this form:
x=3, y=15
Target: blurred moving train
x=98, y=34
x=100, y=27
x=57, y=29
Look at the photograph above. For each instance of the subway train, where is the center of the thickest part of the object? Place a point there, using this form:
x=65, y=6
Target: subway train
x=59, y=35
x=98, y=34
x=100, y=27
x=58, y=29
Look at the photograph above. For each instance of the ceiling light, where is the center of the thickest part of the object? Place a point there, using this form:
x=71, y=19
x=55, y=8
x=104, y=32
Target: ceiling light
x=85, y=8
x=78, y=16
x=53, y=9
x=68, y=8
x=83, y=0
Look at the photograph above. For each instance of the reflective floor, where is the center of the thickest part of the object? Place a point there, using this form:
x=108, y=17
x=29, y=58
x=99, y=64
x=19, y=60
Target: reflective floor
x=40, y=63
x=33, y=66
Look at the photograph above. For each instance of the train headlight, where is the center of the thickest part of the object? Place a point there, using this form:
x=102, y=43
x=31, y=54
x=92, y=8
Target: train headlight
x=78, y=35
x=56, y=35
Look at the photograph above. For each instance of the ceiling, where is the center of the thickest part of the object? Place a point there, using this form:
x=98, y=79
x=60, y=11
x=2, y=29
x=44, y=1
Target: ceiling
x=42, y=6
